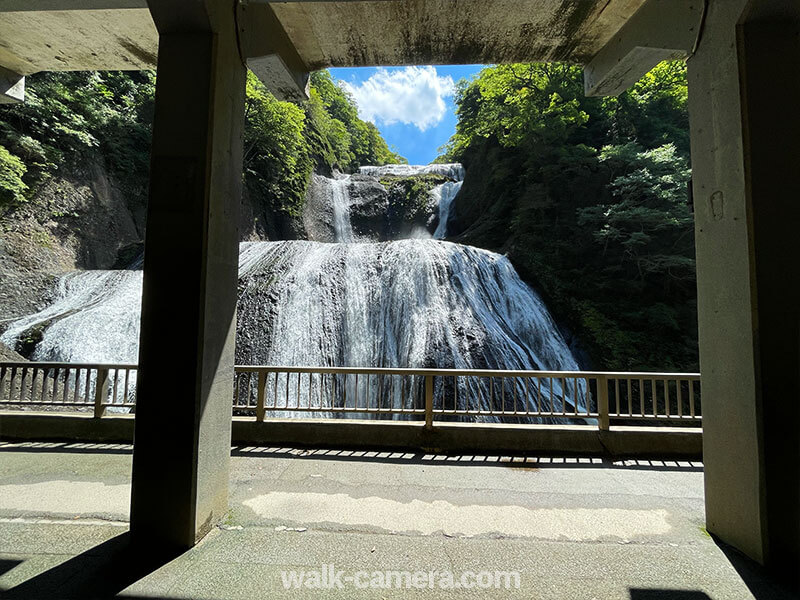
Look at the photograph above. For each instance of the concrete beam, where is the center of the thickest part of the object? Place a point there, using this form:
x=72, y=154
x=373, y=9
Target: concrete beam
x=12, y=87
x=660, y=30
x=270, y=54
x=45, y=5
x=65, y=5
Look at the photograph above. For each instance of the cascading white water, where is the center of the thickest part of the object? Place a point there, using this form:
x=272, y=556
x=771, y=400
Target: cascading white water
x=414, y=303
x=409, y=303
x=340, y=205
x=444, y=195
x=454, y=171
x=94, y=319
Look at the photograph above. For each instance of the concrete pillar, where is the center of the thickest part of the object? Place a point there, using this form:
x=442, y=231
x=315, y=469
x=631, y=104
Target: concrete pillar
x=743, y=88
x=185, y=383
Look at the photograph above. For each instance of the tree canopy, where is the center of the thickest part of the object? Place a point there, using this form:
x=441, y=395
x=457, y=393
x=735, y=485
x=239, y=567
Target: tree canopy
x=108, y=115
x=589, y=198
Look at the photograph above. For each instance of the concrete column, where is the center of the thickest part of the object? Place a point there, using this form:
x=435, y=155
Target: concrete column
x=185, y=383
x=743, y=88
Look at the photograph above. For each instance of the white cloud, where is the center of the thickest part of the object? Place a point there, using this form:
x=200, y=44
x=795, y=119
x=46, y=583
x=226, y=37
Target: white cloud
x=412, y=95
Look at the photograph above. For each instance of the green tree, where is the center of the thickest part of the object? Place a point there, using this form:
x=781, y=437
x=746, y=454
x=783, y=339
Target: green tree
x=277, y=161
x=70, y=119
x=588, y=198
x=12, y=188
x=345, y=140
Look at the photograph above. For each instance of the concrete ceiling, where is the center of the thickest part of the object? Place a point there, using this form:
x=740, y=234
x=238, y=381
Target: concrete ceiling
x=405, y=32
x=43, y=35
x=298, y=36
x=76, y=40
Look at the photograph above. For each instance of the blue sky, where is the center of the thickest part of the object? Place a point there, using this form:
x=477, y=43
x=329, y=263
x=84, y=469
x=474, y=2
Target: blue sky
x=411, y=106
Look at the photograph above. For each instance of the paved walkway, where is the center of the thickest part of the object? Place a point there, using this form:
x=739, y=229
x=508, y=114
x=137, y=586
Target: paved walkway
x=571, y=528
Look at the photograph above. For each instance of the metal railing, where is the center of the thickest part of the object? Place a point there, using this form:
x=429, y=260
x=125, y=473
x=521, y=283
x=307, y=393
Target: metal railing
x=463, y=395
x=67, y=386
x=429, y=395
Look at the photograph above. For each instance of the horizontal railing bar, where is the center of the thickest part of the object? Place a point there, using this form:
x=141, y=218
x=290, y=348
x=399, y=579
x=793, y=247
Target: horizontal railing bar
x=394, y=411
x=468, y=372
x=39, y=403
x=63, y=365
x=499, y=413
x=385, y=371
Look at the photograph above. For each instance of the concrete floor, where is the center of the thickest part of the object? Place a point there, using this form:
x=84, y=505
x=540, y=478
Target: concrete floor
x=571, y=528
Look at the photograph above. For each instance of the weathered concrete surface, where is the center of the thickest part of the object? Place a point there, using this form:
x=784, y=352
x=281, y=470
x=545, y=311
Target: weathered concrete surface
x=12, y=87
x=387, y=511
x=642, y=43
x=450, y=31
x=74, y=40
x=119, y=34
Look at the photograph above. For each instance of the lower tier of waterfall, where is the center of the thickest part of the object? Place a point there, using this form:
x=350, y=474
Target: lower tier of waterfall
x=408, y=303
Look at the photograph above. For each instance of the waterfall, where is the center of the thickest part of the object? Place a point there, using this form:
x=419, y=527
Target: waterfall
x=454, y=171
x=340, y=204
x=444, y=195
x=93, y=319
x=418, y=303
x=409, y=303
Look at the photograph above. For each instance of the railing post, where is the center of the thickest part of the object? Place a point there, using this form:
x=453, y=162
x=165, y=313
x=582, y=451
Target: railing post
x=603, y=421
x=428, y=401
x=100, y=392
x=262, y=384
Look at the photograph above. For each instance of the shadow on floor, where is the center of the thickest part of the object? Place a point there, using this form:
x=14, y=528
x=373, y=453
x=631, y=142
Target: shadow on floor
x=520, y=461
x=67, y=447
x=648, y=594
x=101, y=572
x=6, y=565
x=761, y=583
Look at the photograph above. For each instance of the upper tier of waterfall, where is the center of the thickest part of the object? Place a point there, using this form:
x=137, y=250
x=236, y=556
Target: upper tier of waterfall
x=366, y=207
x=454, y=171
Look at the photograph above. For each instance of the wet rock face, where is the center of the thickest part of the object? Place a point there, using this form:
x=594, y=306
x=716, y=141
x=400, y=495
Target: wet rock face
x=8, y=355
x=379, y=204
x=369, y=208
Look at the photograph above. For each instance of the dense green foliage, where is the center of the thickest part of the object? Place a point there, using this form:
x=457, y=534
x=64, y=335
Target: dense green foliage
x=277, y=158
x=12, y=188
x=284, y=141
x=69, y=118
x=589, y=198
x=344, y=140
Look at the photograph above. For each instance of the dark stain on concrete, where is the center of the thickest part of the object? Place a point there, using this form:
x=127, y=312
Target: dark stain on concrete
x=144, y=56
x=466, y=37
x=570, y=22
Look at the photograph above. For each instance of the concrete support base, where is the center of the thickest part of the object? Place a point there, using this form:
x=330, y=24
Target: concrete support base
x=470, y=438
x=744, y=125
x=185, y=381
